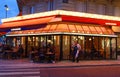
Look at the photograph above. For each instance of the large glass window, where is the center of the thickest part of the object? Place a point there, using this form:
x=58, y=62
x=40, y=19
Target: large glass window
x=95, y=43
x=50, y=40
x=43, y=41
x=33, y=41
x=32, y=9
x=113, y=43
x=50, y=5
x=88, y=44
x=81, y=42
x=66, y=46
x=107, y=47
x=57, y=47
x=101, y=45
x=93, y=47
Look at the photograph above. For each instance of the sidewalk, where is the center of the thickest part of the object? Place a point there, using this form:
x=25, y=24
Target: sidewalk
x=24, y=63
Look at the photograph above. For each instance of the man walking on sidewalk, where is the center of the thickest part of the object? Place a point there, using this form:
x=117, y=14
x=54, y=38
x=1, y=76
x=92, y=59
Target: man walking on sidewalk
x=76, y=49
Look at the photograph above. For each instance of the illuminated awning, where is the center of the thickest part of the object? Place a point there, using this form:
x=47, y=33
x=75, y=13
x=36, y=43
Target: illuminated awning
x=35, y=20
x=116, y=29
x=39, y=20
x=90, y=20
x=67, y=28
x=25, y=23
x=2, y=33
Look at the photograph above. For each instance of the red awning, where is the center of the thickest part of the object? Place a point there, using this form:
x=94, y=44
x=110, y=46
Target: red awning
x=43, y=20
x=32, y=23
x=26, y=23
x=88, y=20
x=2, y=33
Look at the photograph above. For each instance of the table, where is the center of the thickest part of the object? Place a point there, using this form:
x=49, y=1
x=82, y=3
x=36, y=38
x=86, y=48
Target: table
x=50, y=56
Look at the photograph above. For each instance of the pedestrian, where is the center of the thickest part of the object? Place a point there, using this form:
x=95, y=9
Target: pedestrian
x=31, y=54
x=76, y=49
x=20, y=51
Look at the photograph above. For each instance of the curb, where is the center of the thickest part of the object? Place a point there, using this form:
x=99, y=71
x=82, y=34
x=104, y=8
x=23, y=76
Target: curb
x=79, y=66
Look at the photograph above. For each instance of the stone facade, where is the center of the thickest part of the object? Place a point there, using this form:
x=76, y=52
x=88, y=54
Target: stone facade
x=104, y=7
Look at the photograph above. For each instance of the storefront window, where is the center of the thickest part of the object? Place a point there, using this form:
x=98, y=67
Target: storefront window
x=113, y=42
x=107, y=47
x=50, y=41
x=93, y=47
x=88, y=44
x=42, y=41
x=57, y=47
x=102, y=47
x=66, y=46
x=81, y=42
x=10, y=41
x=95, y=43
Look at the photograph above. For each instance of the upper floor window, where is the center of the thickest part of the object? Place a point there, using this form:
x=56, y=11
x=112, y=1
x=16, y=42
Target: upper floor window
x=50, y=5
x=31, y=9
x=65, y=1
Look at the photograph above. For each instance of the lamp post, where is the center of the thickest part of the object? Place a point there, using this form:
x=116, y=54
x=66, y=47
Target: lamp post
x=6, y=9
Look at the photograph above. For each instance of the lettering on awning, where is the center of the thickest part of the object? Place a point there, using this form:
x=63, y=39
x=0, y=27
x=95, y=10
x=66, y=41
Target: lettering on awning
x=15, y=29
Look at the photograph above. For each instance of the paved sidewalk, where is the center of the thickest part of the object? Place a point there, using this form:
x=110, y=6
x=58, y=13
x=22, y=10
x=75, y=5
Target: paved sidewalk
x=24, y=63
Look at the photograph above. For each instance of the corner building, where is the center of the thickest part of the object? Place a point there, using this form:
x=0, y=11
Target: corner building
x=63, y=21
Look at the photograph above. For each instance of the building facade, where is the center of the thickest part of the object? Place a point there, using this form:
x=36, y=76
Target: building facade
x=61, y=22
x=102, y=7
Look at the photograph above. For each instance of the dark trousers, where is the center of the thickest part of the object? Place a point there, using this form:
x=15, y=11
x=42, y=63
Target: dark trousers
x=51, y=58
x=75, y=59
x=14, y=55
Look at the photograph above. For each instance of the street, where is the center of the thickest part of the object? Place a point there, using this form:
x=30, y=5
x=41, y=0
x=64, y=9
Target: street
x=20, y=72
x=23, y=68
x=87, y=71
x=94, y=71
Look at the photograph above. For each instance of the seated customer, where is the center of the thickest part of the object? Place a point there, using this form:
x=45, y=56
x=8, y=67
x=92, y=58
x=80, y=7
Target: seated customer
x=41, y=55
x=14, y=52
x=20, y=51
x=52, y=54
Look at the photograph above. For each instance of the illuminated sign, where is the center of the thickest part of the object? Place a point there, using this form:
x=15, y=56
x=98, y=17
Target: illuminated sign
x=15, y=29
x=110, y=24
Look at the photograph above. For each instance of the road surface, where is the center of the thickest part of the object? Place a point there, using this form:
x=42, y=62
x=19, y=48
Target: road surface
x=90, y=71
x=86, y=71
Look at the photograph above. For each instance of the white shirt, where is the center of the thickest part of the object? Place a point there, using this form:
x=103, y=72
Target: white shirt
x=79, y=47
